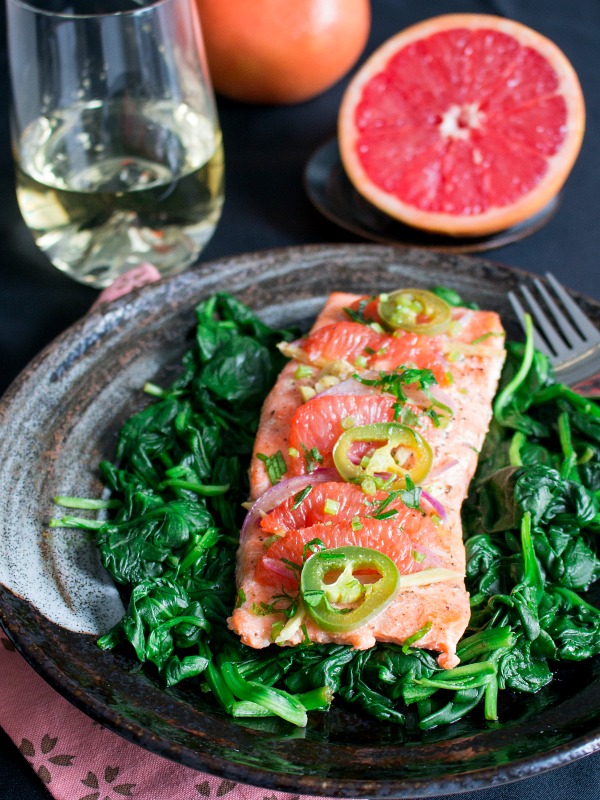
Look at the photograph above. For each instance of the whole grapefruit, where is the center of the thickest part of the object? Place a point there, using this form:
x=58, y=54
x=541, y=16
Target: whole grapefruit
x=463, y=124
x=281, y=51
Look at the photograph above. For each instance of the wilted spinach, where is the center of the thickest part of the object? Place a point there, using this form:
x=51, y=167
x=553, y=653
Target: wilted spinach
x=177, y=487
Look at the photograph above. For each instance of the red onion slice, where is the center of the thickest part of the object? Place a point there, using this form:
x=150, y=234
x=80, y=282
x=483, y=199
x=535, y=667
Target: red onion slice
x=443, y=397
x=436, y=505
x=281, y=491
x=354, y=388
x=419, y=398
x=277, y=567
x=439, y=470
x=431, y=558
x=349, y=387
x=463, y=316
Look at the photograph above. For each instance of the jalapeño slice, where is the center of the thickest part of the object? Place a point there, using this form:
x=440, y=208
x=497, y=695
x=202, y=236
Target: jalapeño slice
x=345, y=603
x=415, y=311
x=397, y=451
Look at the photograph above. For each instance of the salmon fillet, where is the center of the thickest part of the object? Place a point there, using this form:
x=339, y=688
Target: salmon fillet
x=307, y=410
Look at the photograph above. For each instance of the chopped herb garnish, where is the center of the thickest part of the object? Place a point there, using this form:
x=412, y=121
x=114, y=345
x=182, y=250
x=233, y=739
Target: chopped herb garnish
x=282, y=604
x=437, y=419
x=416, y=637
x=292, y=566
x=276, y=629
x=369, y=486
x=452, y=297
x=303, y=371
x=312, y=458
x=395, y=383
x=411, y=496
x=386, y=514
x=380, y=511
x=326, y=554
x=270, y=539
x=313, y=597
x=385, y=503
x=406, y=416
x=485, y=336
x=314, y=546
x=301, y=495
x=241, y=598
x=275, y=466
x=358, y=315
x=331, y=507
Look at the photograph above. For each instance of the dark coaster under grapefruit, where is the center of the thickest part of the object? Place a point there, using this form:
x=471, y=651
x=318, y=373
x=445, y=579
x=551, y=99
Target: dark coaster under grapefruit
x=331, y=192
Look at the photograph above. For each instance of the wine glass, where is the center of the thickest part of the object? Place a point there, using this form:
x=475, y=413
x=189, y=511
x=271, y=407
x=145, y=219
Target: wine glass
x=115, y=134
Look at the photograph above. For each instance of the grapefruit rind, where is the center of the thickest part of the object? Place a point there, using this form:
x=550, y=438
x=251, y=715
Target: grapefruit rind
x=279, y=53
x=498, y=217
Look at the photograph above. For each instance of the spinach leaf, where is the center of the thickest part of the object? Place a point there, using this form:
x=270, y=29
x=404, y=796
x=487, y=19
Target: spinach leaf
x=518, y=669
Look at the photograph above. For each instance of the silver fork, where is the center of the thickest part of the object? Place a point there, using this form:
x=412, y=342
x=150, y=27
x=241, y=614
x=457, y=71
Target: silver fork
x=563, y=333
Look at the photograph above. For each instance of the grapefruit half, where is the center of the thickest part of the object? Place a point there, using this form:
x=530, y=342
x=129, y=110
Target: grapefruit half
x=464, y=124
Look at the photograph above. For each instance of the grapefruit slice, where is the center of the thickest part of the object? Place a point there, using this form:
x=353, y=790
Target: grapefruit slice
x=318, y=423
x=350, y=501
x=350, y=341
x=403, y=534
x=375, y=534
x=464, y=124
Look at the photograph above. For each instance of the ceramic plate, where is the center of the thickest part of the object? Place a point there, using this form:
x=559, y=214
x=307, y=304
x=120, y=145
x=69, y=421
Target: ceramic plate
x=62, y=416
x=333, y=195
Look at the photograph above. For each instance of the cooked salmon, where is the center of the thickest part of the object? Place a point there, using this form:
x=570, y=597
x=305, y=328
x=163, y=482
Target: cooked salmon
x=316, y=398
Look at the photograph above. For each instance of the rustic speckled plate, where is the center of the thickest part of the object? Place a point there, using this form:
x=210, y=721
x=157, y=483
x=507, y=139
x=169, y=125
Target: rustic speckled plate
x=61, y=417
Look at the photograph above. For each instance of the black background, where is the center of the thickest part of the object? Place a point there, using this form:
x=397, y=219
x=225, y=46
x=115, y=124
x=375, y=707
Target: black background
x=266, y=150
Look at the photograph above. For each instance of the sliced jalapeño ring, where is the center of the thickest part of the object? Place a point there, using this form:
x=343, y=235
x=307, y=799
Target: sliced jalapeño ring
x=396, y=451
x=414, y=311
x=344, y=604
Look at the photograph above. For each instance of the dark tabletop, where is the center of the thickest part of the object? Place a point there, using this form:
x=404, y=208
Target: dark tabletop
x=266, y=206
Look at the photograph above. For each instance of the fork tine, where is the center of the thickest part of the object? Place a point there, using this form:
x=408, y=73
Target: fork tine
x=570, y=335
x=539, y=343
x=587, y=328
x=545, y=325
x=576, y=357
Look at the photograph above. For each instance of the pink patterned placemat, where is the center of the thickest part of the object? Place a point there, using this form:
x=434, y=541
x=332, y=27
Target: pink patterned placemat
x=134, y=279
x=77, y=758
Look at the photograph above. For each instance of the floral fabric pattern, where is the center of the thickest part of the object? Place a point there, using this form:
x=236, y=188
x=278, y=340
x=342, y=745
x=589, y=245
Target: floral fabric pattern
x=78, y=759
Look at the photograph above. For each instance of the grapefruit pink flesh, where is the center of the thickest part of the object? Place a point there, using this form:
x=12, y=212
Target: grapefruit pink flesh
x=464, y=124
x=350, y=341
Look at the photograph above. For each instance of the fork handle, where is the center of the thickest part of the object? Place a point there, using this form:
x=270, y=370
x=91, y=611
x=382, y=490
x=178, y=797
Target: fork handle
x=590, y=387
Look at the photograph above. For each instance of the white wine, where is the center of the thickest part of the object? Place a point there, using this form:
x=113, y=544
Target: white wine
x=104, y=187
